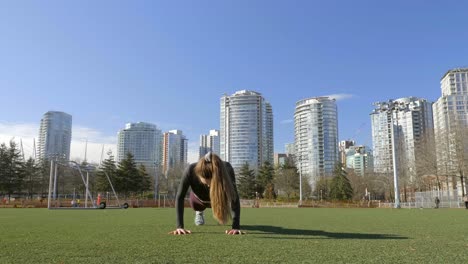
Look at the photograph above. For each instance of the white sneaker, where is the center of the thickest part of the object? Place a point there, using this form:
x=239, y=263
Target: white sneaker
x=199, y=219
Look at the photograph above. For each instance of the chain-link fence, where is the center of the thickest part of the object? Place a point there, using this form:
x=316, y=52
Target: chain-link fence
x=428, y=199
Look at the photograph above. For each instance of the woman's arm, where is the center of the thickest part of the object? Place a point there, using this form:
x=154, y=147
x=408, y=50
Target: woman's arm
x=235, y=204
x=180, y=197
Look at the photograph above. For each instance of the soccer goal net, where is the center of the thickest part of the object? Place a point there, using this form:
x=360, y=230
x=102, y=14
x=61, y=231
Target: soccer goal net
x=71, y=186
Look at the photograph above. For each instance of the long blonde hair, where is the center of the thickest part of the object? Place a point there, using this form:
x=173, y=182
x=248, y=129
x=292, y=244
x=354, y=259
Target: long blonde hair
x=222, y=192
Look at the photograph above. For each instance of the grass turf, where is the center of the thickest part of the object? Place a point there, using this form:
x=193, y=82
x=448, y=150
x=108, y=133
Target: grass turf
x=274, y=235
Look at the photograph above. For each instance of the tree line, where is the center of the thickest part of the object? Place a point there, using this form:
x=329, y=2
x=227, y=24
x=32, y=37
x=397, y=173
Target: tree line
x=30, y=178
x=283, y=182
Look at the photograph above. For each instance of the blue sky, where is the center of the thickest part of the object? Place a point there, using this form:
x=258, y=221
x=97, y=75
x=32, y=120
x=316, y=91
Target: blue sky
x=169, y=62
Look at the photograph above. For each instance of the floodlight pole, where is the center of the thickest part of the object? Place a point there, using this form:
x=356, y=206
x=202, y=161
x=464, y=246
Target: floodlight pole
x=50, y=183
x=156, y=181
x=300, y=183
x=55, y=181
x=395, y=166
x=87, y=189
x=300, y=164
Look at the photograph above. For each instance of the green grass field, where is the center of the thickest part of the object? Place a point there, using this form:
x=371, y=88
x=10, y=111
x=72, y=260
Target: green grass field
x=274, y=235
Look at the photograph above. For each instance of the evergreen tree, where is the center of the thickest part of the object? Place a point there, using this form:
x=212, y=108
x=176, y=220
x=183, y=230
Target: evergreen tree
x=246, y=182
x=32, y=177
x=11, y=172
x=127, y=175
x=108, y=167
x=144, y=179
x=44, y=177
x=340, y=187
x=265, y=180
x=3, y=168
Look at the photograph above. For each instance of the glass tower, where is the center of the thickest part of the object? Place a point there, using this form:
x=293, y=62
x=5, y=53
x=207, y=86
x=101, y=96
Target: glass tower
x=55, y=136
x=246, y=129
x=316, y=137
x=143, y=141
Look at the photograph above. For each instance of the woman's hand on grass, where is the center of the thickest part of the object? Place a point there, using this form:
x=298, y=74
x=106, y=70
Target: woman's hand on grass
x=180, y=231
x=234, y=232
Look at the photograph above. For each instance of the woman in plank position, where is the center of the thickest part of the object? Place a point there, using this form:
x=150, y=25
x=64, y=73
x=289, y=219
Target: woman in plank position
x=213, y=186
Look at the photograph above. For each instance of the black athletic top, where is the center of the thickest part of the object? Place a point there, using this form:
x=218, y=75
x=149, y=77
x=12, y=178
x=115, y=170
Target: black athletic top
x=202, y=191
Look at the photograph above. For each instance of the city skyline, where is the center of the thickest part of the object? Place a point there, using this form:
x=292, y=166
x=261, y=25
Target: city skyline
x=89, y=142
x=171, y=62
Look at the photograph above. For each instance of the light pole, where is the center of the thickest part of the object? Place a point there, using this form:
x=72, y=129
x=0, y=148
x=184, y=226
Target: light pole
x=394, y=154
x=300, y=183
x=156, y=181
x=50, y=183
x=299, y=153
x=55, y=182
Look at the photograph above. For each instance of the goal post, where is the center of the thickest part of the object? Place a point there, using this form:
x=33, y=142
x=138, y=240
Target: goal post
x=53, y=186
x=70, y=168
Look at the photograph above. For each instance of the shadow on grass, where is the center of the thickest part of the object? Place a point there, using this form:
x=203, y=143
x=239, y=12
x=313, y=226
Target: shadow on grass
x=277, y=230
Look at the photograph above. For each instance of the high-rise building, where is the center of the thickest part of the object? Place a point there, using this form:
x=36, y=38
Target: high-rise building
x=290, y=149
x=451, y=125
x=55, y=134
x=209, y=143
x=143, y=141
x=345, y=147
x=175, y=150
x=316, y=137
x=246, y=129
x=410, y=120
x=358, y=158
x=280, y=159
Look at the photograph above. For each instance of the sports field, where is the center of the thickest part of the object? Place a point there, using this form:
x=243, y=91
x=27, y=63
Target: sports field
x=274, y=235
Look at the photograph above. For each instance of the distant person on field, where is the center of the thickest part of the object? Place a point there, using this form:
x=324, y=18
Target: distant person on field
x=213, y=186
x=466, y=201
x=437, y=202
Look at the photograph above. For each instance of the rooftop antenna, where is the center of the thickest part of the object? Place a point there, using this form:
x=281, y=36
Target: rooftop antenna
x=22, y=150
x=34, y=148
x=86, y=150
x=102, y=154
